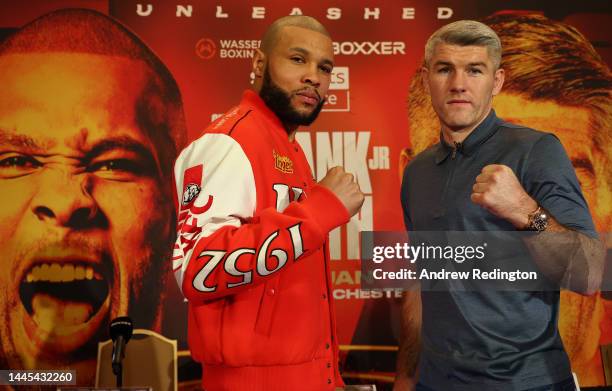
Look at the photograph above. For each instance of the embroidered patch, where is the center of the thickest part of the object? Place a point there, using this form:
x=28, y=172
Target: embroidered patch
x=190, y=193
x=282, y=163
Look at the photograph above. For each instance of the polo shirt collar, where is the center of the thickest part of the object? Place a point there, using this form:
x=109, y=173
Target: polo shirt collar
x=479, y=135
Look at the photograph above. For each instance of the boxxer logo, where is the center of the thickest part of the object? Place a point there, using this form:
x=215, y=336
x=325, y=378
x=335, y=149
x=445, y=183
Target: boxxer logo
x=261, y=255
x=380, y=48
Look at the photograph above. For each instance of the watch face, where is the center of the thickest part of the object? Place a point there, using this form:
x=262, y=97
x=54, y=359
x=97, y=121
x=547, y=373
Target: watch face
x=539, y=222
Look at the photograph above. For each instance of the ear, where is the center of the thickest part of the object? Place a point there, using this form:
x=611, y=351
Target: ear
x=259, y=60
x=498, y=81
x=425, y=78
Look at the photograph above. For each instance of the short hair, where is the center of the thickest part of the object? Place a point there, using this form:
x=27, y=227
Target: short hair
x=89, y=31
x=543, y=59
x=549, y=60
x=272, y=33
x=466, y=33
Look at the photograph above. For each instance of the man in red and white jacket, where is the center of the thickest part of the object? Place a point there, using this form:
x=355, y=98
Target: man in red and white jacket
x=251, y=255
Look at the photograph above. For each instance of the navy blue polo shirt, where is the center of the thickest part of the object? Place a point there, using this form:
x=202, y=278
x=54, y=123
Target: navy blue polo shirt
x=491, y=340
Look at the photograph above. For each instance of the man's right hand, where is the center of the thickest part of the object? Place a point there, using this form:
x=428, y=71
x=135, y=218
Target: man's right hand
x=343, y=185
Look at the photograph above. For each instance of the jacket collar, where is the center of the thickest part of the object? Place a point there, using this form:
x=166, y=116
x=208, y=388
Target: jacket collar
x=253, y=101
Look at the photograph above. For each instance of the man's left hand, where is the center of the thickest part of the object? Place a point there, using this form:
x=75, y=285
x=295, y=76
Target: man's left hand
x=499, y=191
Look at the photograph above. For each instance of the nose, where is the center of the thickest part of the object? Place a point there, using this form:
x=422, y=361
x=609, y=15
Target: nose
x=65, y=199
x=311, y=76
x=457, y=82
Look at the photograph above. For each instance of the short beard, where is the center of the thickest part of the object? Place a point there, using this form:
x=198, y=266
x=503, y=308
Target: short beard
x=279, y=102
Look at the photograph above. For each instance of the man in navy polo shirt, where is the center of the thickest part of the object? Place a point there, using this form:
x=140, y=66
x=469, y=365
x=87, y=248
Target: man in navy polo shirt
x=489, y=175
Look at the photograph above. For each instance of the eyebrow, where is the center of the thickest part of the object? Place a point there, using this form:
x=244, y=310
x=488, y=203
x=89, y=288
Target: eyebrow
x=124, y=143
x=307, y=53
x=31, y=145
x=23, y=141
x=471, y=64
x=445, y=63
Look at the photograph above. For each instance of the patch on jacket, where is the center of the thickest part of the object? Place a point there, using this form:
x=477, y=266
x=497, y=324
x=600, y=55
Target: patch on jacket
x=190, y=193
x=282, y=163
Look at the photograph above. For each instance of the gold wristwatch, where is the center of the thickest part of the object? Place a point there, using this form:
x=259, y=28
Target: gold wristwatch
x=537, y=220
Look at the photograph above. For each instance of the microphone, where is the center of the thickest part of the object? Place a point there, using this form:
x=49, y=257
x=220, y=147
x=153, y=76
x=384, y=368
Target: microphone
x=120, y=332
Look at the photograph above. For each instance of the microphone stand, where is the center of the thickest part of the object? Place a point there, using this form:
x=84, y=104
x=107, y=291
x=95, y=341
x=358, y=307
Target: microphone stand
x=117, y=359
x=119, y=375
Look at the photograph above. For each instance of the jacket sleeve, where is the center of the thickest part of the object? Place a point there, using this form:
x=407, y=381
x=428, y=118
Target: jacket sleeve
x=222, y=247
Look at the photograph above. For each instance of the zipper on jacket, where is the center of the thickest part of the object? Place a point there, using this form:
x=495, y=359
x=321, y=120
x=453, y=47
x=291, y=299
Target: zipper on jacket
x=456, y=147
x=451, y=173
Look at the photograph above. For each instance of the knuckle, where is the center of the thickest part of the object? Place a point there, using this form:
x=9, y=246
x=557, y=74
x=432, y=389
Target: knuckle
x=486, y=198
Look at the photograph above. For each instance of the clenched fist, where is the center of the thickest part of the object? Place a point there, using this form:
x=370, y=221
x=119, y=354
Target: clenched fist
x=343, y=185
x=499, y=191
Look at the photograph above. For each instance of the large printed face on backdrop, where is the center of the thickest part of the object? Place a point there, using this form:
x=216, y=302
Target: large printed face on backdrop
x=461, y=81
x=296, y=74
x=84, y=222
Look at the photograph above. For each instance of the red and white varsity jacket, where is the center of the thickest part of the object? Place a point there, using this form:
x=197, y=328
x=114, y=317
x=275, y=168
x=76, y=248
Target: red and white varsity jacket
x=252, y=259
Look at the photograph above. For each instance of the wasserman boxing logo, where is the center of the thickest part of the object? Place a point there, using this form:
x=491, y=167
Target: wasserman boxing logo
x=238, y=48
x=205, y=48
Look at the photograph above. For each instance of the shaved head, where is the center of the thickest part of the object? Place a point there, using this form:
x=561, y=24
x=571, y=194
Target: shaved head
x=306, y=22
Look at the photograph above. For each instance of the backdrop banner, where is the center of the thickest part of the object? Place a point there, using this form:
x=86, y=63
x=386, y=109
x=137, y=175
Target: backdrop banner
x=62, y=285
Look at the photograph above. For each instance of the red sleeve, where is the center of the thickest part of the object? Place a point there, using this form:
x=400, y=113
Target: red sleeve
x=222, y=246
